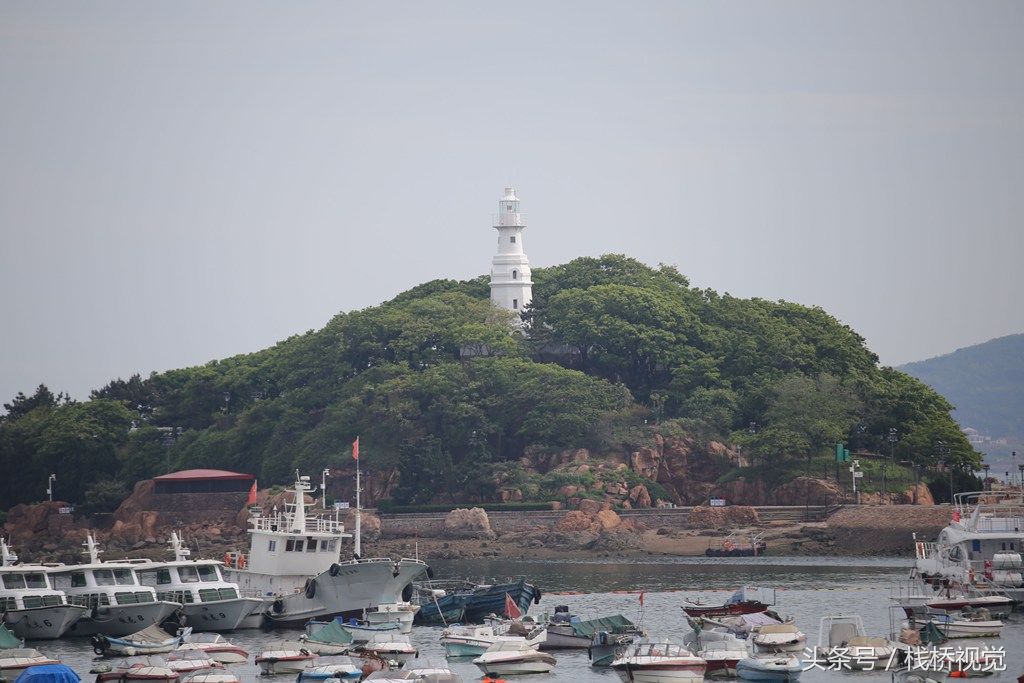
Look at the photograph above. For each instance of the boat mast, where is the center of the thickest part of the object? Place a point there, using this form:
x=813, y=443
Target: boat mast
x=91, y=550
x=181, y=553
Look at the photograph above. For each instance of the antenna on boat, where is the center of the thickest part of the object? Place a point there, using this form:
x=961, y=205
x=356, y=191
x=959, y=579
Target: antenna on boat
x=181, y=553
x=91, y=549
x=8, y=558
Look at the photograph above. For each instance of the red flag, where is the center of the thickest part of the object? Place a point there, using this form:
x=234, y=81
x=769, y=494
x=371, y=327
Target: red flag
x=355, y=449
x=641, y=598
x=251, y=500
x=512, y=610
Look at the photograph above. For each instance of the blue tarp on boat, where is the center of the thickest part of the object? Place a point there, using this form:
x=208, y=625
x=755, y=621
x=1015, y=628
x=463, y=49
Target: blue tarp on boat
x=48, y=673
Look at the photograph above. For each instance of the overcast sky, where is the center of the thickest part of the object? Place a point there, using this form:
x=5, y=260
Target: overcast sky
x=183, y=181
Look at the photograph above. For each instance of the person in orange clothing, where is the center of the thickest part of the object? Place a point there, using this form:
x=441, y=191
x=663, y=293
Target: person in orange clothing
x=493, y=678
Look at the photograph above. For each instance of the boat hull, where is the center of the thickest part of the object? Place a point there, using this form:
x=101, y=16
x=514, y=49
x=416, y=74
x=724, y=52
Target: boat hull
x=447, y=609
x=729, y=610
x=525, y=666
x=752, y=670
x=222, y=615
x=122, y=620
x=285, y=665
x=969, y=629
x=491, y=600
x=12, y=668
x=43, y=623
x=658, y=673
x=563, y=637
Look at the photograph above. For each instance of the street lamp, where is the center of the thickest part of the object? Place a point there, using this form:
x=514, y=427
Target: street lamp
x=984, y=484
x=1021, y=468
x=53, y=478
x=892, y=438
x=323, y=485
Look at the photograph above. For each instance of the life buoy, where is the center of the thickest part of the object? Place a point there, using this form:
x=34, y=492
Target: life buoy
x=335, y=569
x=310, y=588
x=227, y=559
x=241, y=561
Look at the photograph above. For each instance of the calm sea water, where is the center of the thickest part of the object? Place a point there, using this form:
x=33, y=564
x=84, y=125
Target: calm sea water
x=807, y=588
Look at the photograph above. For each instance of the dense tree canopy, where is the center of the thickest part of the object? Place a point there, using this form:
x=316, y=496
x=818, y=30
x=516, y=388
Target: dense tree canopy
x=452, y=392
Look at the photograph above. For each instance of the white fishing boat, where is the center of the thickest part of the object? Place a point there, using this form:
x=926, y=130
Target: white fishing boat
x=473, y=641
x=389, y=645
x=514, y=657
x=14, y=661
x=720, y=649
x=32, y=609
x=214, y=646
x=659, y=662
x=782, y=668
x=283, y=657
x=151, y=640
x=331, y=669
x=398, y=613
x=961, y=626
x=843, y=638
x=294, y=561
x=980, y=548
x=209, y=601
x=118, y=603
x=772, y=638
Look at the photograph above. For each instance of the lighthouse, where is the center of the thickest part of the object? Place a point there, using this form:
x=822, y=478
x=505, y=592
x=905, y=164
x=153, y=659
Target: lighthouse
x=511, y=286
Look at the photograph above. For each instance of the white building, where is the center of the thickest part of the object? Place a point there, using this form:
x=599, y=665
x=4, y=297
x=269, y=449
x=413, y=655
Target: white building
x=511, y=286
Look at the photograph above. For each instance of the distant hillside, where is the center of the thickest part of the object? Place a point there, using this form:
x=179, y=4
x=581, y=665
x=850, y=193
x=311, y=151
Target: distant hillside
x=985, y=382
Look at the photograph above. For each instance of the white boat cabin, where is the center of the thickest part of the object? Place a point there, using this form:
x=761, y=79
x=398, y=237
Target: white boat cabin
x=100, y=584
x=27, y=587
x=187, y=581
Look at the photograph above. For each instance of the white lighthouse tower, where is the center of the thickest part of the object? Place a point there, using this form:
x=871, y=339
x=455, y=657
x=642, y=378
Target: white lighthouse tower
x=511, y=286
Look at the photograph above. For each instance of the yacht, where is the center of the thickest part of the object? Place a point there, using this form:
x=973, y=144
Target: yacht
x=32, y=609
x=209, y=601
x=294, y=562
x=980, y=549
x=118, y=605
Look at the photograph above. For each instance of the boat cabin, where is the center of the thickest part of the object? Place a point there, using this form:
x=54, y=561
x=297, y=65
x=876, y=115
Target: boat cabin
x=101, y=585
x=27, y=587
x=188, y=582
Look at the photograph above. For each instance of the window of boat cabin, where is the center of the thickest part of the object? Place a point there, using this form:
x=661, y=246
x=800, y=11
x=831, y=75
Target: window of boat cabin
x=271, y=546
x=325, y=546
x=311, y=545
x=163, y=576
x=77, y=579
x=188, y=574
x=14, y=581
x=208, y=573
x=294, y=546
x=124, y=577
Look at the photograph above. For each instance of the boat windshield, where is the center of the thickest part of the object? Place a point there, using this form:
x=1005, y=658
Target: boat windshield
x=661, y=650
x=29, y=580
x=208, y=573
x=114, y=577
x=188, y=574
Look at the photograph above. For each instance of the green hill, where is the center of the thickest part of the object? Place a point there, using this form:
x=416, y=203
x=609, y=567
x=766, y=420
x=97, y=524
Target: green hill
x=985, y=382
x=448, y=394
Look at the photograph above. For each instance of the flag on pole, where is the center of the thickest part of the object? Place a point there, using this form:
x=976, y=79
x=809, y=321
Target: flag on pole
x=355, y=449
x=251, y=500
x=512, y=610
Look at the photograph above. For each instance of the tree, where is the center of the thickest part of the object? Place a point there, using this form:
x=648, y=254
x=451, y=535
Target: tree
x=43, y=398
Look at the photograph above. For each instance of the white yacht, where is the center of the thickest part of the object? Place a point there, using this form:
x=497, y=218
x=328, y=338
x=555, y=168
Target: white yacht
x=981, y=547
x=210, y=602
x=294, y=561
x=30, y=606
x=118, y=605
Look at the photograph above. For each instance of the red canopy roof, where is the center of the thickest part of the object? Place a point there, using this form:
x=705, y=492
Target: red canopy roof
x=186, y=475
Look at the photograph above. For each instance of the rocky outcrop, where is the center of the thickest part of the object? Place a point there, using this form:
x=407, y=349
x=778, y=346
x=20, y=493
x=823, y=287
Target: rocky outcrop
x=31, y=522
x=467, y=523
x=807, y=491
x=729, y=517
x=596, y=529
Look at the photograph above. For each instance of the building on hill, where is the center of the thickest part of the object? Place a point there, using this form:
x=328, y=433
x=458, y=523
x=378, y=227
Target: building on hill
x=202, y=481
x=511, y=285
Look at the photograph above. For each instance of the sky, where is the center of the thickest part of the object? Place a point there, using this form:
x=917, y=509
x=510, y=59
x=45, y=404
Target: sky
x=185, y=181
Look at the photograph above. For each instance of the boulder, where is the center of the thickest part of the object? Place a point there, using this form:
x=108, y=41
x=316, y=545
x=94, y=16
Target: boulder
x=731, y=516
x=468, y=523
x=370, y=527
x=568, y=490
x=640, y=497
x=591, y=507
x=609, y=519
x=807, y=491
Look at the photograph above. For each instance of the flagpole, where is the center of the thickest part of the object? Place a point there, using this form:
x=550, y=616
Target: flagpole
x=358, y=547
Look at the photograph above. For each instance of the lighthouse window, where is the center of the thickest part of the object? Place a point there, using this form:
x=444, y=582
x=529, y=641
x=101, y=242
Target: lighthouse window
x=512, y=239
x=515, y=275
x=515, y=303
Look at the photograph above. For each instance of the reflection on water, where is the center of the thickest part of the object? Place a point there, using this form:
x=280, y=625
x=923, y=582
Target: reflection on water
x=808, y=588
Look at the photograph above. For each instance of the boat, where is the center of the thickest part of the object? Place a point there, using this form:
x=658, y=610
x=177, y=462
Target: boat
x=606, y=647
x=327, y=638
x=514, y=657
x=780, y=668
x=390, y=646
x=15, y=660
x=739, y=545
x=774, y=638
x=209, y=601
x=478, y=601
x=742, y=625
x=294, y=561
x=434, y=672
x=284, y=657
x=843, y=640
x=32, y=609
x=964, y=626
x=151, y=640
x=9, y=641
x=136, y=669
x=721, y=650
x=118, y=603
x=567, y=631
x=473, y=641
x=980, y=547
x=918, y=598
x=220, y=676
x=439, y=606
x=331, y=669
x=48, y=673
x=659, y=663
x=190, y=661
x=215, y=646
x=746, y=600
x=400, y=613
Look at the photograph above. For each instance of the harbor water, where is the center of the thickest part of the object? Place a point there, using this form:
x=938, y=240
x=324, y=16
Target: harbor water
x=808, y=588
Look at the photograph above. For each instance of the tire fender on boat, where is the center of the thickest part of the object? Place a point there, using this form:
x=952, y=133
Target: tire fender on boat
x=310, y=588
x=536, y=598
x=334, y=570
x=278, y=606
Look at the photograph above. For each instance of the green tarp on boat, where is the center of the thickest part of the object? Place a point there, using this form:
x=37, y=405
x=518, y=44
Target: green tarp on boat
x=612, y=624
x=7, y=639
x=332, y=634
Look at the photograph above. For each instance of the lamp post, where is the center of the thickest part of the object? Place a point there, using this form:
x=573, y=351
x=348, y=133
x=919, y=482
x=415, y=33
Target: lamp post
x=49, y=486
x=984, y=484
x=1021, y=468
x=892, y=438
x=323, y=485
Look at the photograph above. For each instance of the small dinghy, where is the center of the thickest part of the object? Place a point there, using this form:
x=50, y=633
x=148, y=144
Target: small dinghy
x=49, y=673
x=434, y=672
x=967, y=624
x=284, y=656
x=391, y=646
x=514, y=657
x=16, y=660
x=659, y=663
x=136, y=669
x=769, y=669
x=190, y=661
x=331, y=669
x=772, y=638
x=151, y=640
x=215, y=646
x=327, y=638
